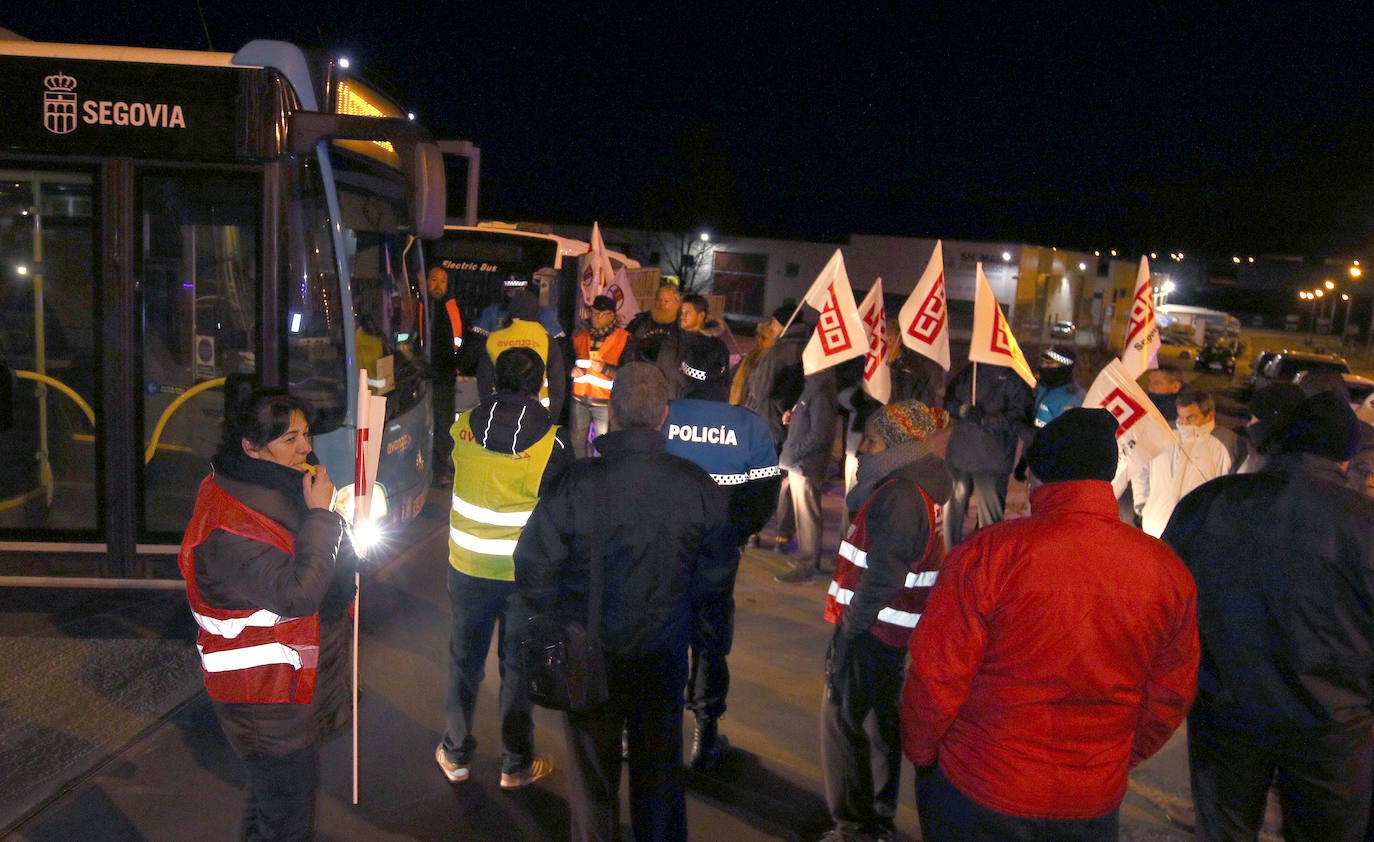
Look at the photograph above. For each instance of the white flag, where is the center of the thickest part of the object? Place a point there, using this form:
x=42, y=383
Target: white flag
x=877, y=371
x=371, y=423
x=992, y=339
x=839, y=334
x=626, y=304
x=1141, y=432
x=924, y=318
x=596, y=268
x=1142, y=331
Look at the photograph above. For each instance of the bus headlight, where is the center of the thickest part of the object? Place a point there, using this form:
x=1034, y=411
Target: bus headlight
x=367, y=534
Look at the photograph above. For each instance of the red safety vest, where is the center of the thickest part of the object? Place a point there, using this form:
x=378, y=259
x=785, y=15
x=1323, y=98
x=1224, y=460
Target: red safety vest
x=595, y=385
x=898, y=619
x=247, y=655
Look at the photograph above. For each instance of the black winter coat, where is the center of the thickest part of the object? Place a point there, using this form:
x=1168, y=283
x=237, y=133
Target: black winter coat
x=239, y=573
x=667, y=540
x=1284, y=565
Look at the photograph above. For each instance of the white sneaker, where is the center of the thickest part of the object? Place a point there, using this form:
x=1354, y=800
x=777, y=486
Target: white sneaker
x=456, y=774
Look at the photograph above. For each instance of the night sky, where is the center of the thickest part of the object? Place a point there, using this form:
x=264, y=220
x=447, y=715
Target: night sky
x=1208, y=127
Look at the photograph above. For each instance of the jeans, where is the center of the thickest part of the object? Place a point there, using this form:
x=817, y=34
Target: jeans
x=583, y=416
x=861, y=749
x=1323, y=780
x=479, y=606
x=646, y=703
x=991, y=489
x=281, y=797
x=948, y=815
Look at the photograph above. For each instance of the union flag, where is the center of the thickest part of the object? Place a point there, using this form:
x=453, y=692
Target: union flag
x=877, y=370
x=924, y=318
x=839, y=334
x=1142, y=331
x=993, y=341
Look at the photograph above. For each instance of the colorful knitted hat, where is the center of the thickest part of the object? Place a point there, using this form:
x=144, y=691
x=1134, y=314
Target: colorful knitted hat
x=908, y=420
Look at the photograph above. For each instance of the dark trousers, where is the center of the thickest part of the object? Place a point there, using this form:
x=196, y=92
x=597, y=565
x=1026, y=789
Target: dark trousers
x=646, y=704
x=281, y=797
x=1323, y=781
x=991, y=489
x=713, y=631
x=479, y=606
x=861, y=750
x=947, y=815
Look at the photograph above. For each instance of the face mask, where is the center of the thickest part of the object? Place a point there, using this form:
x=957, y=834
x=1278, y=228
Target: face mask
x=1054, y=376
x=1188, y=435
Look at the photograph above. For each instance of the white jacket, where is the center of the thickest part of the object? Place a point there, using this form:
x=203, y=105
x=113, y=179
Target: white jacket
x=1198, y=457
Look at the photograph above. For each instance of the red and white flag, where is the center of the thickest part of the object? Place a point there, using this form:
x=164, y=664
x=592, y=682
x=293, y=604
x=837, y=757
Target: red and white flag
x=839, y=334
x=1141, y=431
x=626, y=304
x=596, y=268
x=924, y=318
x=992, y=339
x=877, y=370
x=1142, y=331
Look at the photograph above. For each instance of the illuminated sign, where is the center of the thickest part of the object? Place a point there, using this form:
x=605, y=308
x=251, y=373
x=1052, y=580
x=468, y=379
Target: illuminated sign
x=357, y=99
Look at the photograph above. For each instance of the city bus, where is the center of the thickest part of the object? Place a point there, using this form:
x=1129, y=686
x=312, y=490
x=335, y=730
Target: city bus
x=174, y=225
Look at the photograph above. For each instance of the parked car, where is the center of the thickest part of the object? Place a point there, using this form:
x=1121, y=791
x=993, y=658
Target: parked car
x=1216, y=357
x=1177, y=349
x=1361, y=390
x=1063, y=329
x=1287, y=366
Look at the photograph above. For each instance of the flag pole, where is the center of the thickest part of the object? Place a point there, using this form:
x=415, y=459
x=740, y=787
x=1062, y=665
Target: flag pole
x=364, y=417
x=974, y=402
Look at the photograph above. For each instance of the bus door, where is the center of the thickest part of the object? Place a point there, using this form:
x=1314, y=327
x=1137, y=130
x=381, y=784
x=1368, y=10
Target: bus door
x=47, y=339
x=197, y=262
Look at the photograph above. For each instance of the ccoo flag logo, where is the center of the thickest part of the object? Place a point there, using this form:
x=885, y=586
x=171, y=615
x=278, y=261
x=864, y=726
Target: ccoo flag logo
x=1124, y=408
x=930, y=318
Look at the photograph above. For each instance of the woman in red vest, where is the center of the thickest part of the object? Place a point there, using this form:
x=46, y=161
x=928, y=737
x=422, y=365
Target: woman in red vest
x=269, y=577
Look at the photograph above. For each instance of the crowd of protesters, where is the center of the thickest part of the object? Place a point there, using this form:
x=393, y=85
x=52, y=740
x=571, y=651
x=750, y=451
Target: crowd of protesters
x=1024, y=668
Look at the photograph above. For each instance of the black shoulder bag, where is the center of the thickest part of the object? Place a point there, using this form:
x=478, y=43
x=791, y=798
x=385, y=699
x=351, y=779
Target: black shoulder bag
x=565, y=668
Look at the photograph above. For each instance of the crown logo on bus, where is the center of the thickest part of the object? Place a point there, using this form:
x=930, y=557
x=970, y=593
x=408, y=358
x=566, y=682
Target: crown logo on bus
x=59, y=104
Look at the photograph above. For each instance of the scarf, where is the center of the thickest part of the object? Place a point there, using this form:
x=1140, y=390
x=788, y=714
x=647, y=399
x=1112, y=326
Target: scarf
x=599, y=335
x=244, y=468
x=876, y=467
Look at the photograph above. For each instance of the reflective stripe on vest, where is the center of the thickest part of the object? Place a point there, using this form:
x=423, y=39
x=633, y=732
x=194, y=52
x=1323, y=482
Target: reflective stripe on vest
x=899, y=617
x=247, y=655
x=493, y=495
x=593, y=385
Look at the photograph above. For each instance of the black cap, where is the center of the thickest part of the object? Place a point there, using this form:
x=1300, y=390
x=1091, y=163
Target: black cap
x=1054, y=355
x=1079, y=444
x=604, y=303
x=1323, y=425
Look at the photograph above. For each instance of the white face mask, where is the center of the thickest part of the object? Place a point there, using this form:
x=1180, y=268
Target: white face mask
x=1188, y=435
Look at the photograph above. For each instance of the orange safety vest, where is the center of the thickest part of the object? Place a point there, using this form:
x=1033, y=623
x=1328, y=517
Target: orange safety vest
x=898, y=619
x=247, y=655
x=595, y=385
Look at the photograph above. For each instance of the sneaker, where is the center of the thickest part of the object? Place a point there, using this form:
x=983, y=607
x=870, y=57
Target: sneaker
x=540, y=767
x=455, y=773
x=796, y=575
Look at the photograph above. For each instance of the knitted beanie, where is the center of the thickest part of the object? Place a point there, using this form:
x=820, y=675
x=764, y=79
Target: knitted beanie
x=908, y=420
x=1079, y=444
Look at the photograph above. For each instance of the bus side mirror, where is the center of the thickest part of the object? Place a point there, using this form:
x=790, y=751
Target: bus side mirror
x=428, y=194
x=6, y=398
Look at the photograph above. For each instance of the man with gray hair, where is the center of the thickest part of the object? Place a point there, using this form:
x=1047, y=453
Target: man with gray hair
x=667, y=542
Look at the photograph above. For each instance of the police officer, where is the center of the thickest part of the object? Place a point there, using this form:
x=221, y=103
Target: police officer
x=735, y=447
x=1056, y=390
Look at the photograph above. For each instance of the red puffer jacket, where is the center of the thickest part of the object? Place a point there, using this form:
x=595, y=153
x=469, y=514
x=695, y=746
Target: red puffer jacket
x=1056, y=652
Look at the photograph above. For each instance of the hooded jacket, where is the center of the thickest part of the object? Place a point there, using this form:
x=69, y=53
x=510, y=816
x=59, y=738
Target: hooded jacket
x=1057, y=651
x=899, y=532
x=238, y=573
